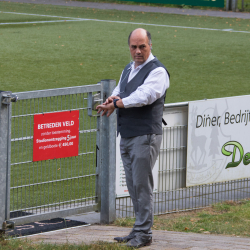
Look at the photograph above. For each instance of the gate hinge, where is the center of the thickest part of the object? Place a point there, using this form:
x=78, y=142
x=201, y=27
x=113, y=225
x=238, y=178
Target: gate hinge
x=8, y=98
x=8, y=224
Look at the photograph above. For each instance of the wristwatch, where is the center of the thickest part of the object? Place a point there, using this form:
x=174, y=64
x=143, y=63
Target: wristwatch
x=114, y=101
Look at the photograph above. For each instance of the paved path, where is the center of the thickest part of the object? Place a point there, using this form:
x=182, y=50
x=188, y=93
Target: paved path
x=110, y=6
x=161, y=239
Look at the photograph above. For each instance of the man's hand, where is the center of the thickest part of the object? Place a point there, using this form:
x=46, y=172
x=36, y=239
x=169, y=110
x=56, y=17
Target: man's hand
x=110, y=99
x=106, y=108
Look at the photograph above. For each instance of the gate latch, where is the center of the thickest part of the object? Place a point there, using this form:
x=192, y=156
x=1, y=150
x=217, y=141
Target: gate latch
x=8, y=98
x=93, y=102
x=8, y=224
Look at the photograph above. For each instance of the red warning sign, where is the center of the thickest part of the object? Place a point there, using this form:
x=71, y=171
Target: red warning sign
x=56, y=135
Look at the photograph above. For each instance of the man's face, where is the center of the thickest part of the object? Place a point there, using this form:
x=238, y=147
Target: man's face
x=139, y=47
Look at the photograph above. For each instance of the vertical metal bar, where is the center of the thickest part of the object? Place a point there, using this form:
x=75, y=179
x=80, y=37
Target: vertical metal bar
x=83, y=169
x=182, y=161
x=22, y=158
x=31, y=144
x=98, y=166
x=76, y=159
x=164, y=167
x=5, y=144
x=40, y=187
x=93, y=138
x=27, y=156
x=168, y=145
x=234, y=5
x=13, y=172
x=228, y=5
x=86, y=157
x=63, y=188
x=18, y=158
x=108, y=159
x=71, y=175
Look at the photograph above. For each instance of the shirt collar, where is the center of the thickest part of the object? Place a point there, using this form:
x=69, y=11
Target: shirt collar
x=150, y=58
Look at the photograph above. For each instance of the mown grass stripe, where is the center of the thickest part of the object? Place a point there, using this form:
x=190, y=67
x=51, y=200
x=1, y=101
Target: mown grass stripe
x=123, y=22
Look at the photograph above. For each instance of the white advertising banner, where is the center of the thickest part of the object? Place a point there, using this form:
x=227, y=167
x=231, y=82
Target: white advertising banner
x=218, y=140
x=121, y=186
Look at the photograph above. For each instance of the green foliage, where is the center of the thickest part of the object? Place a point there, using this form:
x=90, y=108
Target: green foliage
x=229, y=218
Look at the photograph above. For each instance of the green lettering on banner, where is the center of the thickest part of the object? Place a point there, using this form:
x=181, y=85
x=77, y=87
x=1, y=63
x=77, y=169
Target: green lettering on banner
x=237, y=145
x=228, y=153
x=210, y=3
x=246, y=159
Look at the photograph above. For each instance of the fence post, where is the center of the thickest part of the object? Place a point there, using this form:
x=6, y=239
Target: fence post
x=5, y=144
x=234, y=5
x=108, y=159
x=231, y=5
x=242, y=5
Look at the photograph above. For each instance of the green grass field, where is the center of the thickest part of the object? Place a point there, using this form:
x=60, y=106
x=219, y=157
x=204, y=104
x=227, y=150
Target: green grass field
x=40, y=50
x=202, y=63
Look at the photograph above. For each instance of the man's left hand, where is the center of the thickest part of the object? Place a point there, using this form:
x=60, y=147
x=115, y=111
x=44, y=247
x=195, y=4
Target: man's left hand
x=106, y=108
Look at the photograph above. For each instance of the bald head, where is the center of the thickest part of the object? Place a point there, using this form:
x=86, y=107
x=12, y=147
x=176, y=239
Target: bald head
x=141, y=32
x=139, y=42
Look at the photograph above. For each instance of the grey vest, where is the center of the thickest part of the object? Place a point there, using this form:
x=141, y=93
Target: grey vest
x=143, y=120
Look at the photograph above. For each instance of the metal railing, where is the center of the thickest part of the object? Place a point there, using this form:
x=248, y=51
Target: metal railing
x=173, y=195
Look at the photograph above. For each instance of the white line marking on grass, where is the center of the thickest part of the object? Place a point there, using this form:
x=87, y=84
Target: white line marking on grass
x=110, y=21
x=168, y=26
x=28, y=14
x=35, y=22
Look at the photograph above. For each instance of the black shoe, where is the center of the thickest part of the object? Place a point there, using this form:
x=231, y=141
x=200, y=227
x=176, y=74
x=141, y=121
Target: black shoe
x=125, y=238
x=140, y=240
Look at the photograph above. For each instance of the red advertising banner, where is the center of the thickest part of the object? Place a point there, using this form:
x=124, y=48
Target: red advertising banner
x=56, y=135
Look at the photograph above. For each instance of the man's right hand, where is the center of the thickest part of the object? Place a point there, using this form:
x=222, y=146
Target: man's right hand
x=106, y=108
x=110, y=99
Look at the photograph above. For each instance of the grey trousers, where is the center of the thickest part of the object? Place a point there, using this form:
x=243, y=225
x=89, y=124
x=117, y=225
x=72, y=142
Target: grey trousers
x=139, y=155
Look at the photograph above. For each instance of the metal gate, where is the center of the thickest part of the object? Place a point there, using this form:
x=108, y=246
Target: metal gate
x=60, y=187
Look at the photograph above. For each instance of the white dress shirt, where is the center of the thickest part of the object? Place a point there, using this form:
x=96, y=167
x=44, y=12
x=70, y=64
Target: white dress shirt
x=153, y=88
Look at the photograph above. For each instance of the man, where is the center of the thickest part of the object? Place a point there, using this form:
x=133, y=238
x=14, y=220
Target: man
x=139, y=100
